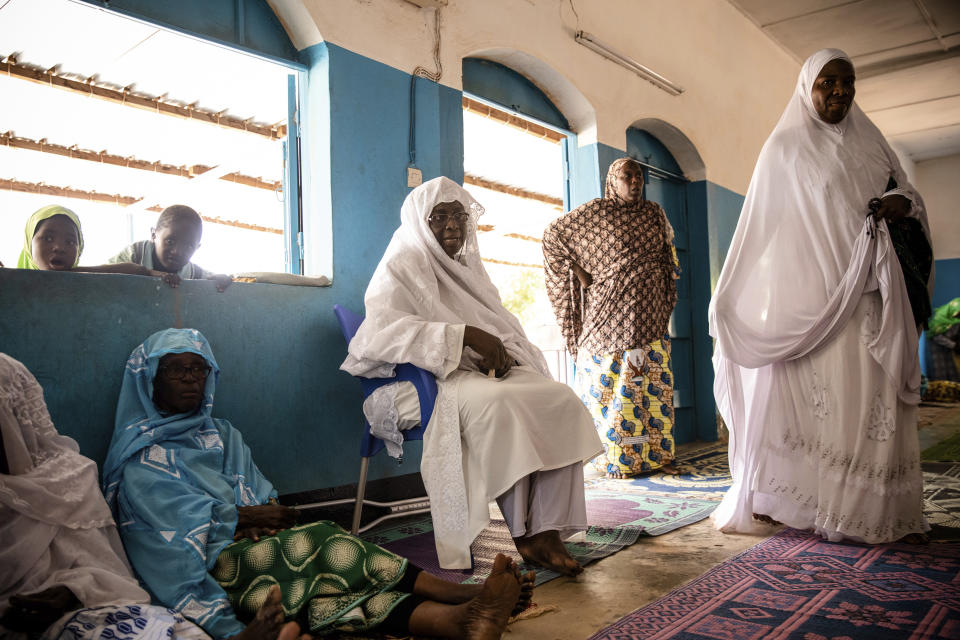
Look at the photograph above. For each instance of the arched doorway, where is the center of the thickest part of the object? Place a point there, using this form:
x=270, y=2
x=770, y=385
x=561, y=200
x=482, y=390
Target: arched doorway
x=667, y=183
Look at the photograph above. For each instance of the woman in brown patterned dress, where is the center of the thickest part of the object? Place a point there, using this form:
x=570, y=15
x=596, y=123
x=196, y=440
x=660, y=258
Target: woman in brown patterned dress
x=611, y=273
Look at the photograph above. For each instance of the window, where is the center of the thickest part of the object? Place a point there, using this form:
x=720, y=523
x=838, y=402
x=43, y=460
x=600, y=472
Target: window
x=515, y=168
x=137, y=118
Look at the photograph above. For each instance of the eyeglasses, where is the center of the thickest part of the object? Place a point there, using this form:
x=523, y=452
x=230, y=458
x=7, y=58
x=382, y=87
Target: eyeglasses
x=179, y=372
x=440, y=219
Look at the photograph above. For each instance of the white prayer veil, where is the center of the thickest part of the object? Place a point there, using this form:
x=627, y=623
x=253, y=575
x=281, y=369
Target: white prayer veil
x=418, y=292
x=801, y=256
x=417, y=304
x=801, y=259
x=56, y=527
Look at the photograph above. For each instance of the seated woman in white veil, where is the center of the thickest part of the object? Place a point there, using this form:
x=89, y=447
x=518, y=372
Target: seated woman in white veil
x=817, y=373
x=501, y=427
x=63, y=571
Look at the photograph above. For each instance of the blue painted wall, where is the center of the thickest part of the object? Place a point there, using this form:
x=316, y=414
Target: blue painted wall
x=303, y=423
x=946, y=286
x=246, y=24
x=279, y=384
x=723, y=212
x=589, y=170
x=497, y=83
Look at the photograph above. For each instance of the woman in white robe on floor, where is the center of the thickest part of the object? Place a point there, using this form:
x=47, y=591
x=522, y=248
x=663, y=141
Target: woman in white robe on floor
x=817, y=373
x=519, y=437
x=63, y=570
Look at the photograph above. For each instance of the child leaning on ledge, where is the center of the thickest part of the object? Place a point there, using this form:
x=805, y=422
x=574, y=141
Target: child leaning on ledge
x=172, y=243
x=53, y=241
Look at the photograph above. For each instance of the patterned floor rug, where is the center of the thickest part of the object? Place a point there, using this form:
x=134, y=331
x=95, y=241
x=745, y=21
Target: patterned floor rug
x=941, y=499
x=795, y=585
x=617, y=519
x=704, y=475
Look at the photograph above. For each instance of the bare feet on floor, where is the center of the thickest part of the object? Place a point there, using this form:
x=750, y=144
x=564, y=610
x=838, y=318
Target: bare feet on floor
x=669, y=469
x=765, y=519
x=483, y=617
x=915, y=538
x=268, y=623
x=547, y=550
x=487, y=614
x=526, y=581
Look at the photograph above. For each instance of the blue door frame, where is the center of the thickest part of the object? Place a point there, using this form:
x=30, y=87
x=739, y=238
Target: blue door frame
x=692, y=346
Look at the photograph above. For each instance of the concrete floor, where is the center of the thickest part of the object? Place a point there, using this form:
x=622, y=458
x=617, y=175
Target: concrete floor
x=616, y=585
x=636, y=576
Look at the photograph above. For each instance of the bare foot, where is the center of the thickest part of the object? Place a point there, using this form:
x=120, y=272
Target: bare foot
x=487, y=614
x=439, y=590
x=291, y=631
x=268, y=623
x=614, y=474
x=526, y=581
x=547, y=550
x=915, y=538
x=669, y=469
x=765, y=519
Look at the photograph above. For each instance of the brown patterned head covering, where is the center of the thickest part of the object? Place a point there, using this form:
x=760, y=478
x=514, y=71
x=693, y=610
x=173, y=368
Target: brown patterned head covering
x=610, y=185
x=627, y=249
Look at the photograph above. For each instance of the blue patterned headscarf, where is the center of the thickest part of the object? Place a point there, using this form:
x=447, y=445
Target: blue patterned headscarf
x=139, y=424
x=174, y=483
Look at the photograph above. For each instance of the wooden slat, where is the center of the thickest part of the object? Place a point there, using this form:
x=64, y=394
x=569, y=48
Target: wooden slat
x=157, y=104
x=10, y=140
x=513, y=191
x=117, y=199
x=512, y=264
x=526, y=126
x=520, y=236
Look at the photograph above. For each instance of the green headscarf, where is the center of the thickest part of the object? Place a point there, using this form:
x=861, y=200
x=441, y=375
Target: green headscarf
x=944, y=317
x=26, y=255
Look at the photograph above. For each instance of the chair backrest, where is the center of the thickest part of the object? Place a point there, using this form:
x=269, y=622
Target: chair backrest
x=349, y=321
x=424, y=382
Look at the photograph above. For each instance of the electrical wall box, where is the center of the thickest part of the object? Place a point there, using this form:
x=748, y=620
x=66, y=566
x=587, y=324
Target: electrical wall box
x=414, y=177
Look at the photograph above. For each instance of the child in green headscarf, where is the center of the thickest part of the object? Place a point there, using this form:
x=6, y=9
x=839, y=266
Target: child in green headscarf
x=53, y=241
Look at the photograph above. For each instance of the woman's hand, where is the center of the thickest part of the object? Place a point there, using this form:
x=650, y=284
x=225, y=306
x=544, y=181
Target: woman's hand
x=494, y=355
x=37, y=611
x=585, y=278
x=894, y=207
x=263, y=520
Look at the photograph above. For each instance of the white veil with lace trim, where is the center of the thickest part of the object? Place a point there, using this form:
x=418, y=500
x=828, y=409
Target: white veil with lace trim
x=802, y=257
x=57, y=528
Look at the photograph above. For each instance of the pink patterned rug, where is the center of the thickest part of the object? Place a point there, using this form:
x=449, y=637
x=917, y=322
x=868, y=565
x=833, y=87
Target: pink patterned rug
x=797, y=586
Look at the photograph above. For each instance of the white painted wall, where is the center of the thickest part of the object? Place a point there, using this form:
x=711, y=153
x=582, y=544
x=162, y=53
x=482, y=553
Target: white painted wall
x=938, y=183
x=737, y=81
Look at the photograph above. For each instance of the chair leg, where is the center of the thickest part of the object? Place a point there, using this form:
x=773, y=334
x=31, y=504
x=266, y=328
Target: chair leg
x=361, y=489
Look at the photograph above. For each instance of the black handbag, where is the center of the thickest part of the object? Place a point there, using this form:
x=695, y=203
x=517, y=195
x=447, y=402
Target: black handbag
x=915, y=256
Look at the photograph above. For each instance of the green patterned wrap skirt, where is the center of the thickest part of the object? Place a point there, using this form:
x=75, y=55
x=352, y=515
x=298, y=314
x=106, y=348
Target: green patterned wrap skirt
x=331, y=581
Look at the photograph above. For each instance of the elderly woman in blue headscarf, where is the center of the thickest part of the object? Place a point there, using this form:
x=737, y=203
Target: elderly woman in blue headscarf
x=205, y=533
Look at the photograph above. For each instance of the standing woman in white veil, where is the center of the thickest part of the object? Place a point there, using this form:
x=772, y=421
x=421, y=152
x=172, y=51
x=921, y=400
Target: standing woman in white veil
x=501, y=427
x=817, y=372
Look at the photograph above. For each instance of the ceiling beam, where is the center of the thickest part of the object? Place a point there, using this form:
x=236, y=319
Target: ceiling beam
x=905, y=62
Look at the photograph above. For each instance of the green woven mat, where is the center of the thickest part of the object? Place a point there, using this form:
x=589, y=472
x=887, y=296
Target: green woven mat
x=944, y=451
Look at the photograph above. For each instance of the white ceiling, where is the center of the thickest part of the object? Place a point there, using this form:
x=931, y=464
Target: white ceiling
x=906, y=54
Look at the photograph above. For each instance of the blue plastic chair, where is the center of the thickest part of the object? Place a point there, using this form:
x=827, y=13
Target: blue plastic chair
x=426, y=386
